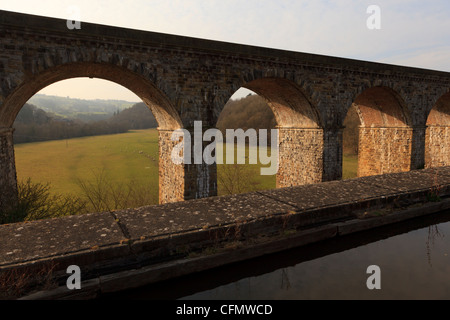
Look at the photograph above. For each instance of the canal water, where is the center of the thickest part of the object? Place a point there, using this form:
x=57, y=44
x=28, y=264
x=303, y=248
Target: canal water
x=413, y=259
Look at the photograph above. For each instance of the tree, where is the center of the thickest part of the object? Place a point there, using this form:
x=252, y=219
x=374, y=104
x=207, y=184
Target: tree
x=235, y=179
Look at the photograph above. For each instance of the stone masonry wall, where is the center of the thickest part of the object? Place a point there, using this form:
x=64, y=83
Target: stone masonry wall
x=384, y=150
x=178, y=182
x=200, y=179
x=300, y=156
x=437, y=150
x=332, y=154
x=171, y=176
x=8, y=179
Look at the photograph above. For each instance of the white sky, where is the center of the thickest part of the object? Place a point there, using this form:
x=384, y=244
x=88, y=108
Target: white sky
x=413, y=33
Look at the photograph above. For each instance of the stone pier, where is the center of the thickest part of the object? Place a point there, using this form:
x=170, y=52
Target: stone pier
x=8, y=179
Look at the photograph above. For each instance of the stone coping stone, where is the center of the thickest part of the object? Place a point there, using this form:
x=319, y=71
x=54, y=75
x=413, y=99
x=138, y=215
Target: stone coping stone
x=327, y=194
x=28, y=241
x=441, y=172
x=359, y=189
x=406, y=182
x=193, y=215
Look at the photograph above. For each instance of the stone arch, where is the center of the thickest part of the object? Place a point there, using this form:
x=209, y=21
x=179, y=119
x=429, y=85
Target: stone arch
x=300, y=132
x=288, y=102
x=437, y=137
x=385, y=133
x=381, y=107
x=164, y=112
x=171, y=176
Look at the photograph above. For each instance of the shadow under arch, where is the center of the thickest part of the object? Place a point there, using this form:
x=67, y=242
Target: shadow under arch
x=385, y=132
x=437, y=137
x=381, y=107
x=300, y=133
x=290, y=105
x=171, y=176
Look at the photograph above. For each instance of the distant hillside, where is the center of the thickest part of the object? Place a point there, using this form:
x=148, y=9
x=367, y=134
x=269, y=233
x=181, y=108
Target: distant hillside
x=33, y=124
x=251, y=112
x=84, y=110
x=138, y=116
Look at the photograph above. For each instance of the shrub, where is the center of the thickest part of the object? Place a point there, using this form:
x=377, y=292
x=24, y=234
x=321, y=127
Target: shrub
x=102, y=194
x=36, y=202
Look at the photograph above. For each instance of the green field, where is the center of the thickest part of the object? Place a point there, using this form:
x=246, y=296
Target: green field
x=350, y=166
x=122, y=158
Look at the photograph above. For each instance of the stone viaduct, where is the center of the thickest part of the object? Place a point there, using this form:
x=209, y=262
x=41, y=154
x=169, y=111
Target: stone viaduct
x=404, y=111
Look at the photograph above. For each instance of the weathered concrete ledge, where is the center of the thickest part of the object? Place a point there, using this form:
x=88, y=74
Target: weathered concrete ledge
x=130, y=248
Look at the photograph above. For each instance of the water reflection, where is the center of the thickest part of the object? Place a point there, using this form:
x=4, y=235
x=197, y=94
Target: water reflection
x=413, y=257
x=285, y=283
x=433, y=233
